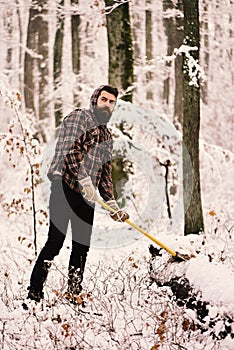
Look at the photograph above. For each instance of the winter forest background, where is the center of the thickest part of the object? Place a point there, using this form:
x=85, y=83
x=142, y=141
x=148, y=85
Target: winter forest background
x=54, y=54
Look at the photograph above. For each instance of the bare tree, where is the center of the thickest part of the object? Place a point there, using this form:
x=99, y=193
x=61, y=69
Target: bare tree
x=178, y=40
x=173, y=23
x=120, y=46
x=120, y=66
x=205, y=42
x=36, y=61
x=58, y=48
x=75, y=24
x=169, y=30
x=191, y=124
x=148, y=44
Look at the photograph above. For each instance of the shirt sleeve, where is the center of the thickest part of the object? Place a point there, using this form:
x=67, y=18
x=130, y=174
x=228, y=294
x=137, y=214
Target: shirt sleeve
x=106, y=186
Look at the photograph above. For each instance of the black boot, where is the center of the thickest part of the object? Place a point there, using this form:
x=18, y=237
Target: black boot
x=35, y=295
x=38, y=278
x=75, y=278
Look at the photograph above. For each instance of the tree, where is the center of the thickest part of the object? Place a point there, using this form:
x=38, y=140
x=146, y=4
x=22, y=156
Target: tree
x=173, y=23
x=36, y=61
x=168, y=22
x=205, y=41
x=58, y=49
x=21, y=52
x=191, y=124
x=120, y=46
x=75, y=24
x=120, y=49
x=148, y=45
x=178, y=40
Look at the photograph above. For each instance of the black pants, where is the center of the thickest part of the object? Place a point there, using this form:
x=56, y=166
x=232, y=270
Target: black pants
x=65, y=205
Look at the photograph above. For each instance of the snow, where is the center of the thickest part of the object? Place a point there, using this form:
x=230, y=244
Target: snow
x=211, y=280
x=124, y=310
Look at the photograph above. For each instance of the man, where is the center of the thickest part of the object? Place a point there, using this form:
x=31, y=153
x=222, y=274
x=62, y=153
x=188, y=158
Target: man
x=81, y=165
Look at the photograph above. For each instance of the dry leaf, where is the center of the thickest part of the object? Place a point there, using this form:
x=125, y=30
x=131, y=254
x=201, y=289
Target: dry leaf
x=155, y=347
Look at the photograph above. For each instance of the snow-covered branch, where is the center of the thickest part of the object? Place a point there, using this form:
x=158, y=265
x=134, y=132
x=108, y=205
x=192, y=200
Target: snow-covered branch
x=109, y=9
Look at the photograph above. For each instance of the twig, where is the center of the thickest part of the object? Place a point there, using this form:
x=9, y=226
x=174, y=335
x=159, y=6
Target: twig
x=166, y=165
x=32, y=181
x=109, y=9
x=31, y=168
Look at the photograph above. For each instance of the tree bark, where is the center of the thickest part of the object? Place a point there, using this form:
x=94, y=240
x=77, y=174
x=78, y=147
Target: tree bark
x=75, y=24
x=36, y=60
x=178, y=41
x=169, y=30
x=21, y=52
x=174, y=32
x=29, y=61
x=191, y=126
x=120, y=47
x=206, y=56
x=58, y=49
x=43, y=63
x=148, y=46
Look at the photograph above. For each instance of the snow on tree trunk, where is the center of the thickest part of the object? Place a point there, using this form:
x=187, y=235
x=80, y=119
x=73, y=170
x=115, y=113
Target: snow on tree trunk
x=191, y=124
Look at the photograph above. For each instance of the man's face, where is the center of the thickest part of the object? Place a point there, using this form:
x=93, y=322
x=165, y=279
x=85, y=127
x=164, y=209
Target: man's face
x=105, y=106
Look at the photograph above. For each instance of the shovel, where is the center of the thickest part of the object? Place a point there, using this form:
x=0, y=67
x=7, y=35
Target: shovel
x=177, y=256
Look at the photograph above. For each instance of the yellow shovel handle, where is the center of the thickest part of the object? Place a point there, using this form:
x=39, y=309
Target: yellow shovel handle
x=155, y=240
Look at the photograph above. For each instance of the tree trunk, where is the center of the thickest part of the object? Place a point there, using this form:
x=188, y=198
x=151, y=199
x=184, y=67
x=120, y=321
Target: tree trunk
x=148, y=45
x=120, y=47
x=174, y=31
x=191, y=126
x=178, y=41
x=30, y=61
x=36, y=60
x=9, y=26
x=21, y=53
x=75, y=24
x=58, y=49
x=43, y=62
x=169, y=30
x=205, y=40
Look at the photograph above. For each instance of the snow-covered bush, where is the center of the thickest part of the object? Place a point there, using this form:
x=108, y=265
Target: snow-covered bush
x=21, y=154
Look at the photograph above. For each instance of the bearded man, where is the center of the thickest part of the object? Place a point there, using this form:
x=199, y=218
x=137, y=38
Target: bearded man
x=81, y=165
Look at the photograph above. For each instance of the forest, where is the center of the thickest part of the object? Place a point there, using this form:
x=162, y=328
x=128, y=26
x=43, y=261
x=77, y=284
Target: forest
x=173, y=126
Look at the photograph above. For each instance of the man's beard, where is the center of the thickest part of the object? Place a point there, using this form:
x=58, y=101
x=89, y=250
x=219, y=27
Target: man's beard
x=102, y=114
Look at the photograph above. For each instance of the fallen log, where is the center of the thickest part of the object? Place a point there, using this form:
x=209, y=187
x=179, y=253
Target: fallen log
x=202, y=288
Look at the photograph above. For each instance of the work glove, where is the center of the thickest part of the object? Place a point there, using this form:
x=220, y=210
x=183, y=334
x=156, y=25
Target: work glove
x=118, y=214
x=88, y=190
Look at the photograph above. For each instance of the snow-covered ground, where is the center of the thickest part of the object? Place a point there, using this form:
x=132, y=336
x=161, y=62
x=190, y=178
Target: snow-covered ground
x=125, y=308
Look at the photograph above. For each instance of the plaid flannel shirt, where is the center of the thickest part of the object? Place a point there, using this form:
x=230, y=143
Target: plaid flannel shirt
x=83, y=149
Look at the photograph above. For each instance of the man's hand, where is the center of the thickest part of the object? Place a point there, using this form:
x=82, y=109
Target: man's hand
x=118, y=214
x=88, y=190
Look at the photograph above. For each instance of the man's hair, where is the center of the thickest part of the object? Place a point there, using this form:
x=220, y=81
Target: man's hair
x=112, y=90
